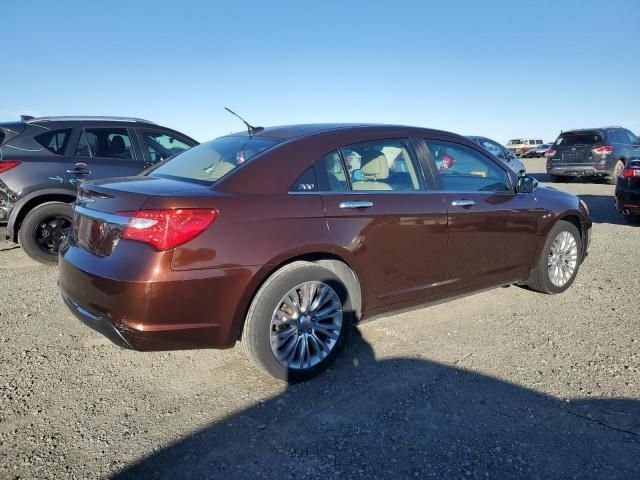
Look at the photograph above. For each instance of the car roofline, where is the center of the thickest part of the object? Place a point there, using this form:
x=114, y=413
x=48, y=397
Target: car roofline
x=89, y=118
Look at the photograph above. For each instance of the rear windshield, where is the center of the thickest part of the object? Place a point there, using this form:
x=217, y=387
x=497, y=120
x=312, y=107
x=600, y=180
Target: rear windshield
x=209, y=162
x=575, y=139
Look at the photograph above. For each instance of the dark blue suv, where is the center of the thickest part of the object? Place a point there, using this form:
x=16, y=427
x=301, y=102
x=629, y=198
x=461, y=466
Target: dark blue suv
x=592, y=152
x=42, y=160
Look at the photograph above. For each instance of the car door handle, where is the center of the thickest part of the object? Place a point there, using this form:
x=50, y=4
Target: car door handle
x=358, y=204
x=78, y=171
x=463, y=203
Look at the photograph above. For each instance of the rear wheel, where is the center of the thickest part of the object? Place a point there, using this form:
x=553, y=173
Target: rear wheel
x=613, y=179
x=559, y=262
x=43, y=230
x=298, y=322
x=632, y=218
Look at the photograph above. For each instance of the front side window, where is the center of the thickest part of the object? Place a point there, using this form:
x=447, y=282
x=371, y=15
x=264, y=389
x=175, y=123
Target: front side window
x=161, y=146
x=56, y=141
x=209, y=162
x=382, y=165
x=105, y=143
x=462, y=169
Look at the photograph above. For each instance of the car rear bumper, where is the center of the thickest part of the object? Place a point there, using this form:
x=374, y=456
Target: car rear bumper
x=628, y=200
x=576, y=170
x=165, y=310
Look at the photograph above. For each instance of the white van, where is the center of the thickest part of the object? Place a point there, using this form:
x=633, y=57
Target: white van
x=523, y=145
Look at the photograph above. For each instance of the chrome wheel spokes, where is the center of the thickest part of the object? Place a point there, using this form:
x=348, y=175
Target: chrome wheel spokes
x=563, y=258
x=306, y=325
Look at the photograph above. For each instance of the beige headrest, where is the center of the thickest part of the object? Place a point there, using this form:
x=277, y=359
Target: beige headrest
x=374, y=166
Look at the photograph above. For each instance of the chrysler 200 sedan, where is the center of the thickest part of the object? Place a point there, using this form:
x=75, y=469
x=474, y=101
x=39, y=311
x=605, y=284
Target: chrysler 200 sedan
x=284, y=237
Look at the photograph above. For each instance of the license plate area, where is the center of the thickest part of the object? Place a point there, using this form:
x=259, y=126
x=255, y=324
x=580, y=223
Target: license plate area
x=96, y=236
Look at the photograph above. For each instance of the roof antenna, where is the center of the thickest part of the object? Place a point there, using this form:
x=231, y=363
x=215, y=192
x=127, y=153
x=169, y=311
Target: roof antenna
x=250, y=128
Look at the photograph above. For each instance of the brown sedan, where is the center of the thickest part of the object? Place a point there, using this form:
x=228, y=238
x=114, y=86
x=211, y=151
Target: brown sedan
x=285, y=237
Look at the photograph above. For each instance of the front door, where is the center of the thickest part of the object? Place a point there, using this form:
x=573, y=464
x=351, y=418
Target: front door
x=384, y=222
x=492, y=229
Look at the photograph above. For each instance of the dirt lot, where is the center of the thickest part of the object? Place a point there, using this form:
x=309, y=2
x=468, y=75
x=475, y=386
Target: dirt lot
x=507, y=383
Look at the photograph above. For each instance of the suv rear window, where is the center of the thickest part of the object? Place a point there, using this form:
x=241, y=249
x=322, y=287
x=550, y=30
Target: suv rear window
x=210, y=161
x=574, y=139
x=55, y=142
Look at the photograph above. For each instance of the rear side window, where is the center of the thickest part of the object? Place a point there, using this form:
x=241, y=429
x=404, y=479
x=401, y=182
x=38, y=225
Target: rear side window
x=210, y=161
x=331, y=174
x=55, y=142
x=576, y=139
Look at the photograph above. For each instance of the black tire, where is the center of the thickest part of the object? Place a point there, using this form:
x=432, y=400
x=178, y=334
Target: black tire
x=42, y=243
x=257, y=328
x=632, y=218
x=613, y=179
x=559, y=178
x=540, y=280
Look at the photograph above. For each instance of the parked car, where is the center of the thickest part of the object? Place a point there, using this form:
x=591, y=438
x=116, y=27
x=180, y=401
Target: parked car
x=594, y=152
x=520, y=146
x=628, y=191
x=537, y=152
x=271, y=238
x=503, y=153
x=42, y=160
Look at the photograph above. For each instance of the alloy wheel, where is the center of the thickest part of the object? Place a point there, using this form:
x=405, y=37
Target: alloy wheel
x=563, y=258
x=306, y=325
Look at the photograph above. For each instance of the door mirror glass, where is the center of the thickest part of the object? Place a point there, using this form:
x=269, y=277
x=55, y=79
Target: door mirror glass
x=527, y=184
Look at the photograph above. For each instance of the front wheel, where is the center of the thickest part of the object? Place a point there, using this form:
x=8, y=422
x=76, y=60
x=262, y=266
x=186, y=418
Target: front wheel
x=298, y=322
x=43, y=230
x=560, y=260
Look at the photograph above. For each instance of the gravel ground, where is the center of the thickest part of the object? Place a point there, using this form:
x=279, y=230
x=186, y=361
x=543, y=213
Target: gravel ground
x=503, y=384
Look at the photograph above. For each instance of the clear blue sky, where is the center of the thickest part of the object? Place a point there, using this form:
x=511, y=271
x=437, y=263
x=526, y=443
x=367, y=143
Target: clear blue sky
x=503, y=69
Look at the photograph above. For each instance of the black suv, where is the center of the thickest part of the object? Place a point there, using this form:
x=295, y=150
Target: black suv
x=43, y=159
x=595, y=152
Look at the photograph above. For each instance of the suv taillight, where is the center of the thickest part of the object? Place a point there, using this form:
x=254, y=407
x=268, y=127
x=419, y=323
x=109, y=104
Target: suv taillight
x=166, y=229
x=550, y=153
x=603, y=151
x=6, y=165
x=630, y=172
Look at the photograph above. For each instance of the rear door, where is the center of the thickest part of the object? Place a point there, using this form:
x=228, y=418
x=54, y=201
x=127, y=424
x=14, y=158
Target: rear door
x=492, y=229
x=104, y=152
x=384, y=221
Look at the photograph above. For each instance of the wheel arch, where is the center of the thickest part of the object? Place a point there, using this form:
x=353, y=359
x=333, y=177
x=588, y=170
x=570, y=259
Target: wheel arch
x=27, y=203
x=336, y=264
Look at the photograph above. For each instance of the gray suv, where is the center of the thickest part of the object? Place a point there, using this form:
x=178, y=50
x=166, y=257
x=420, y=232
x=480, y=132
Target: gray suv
x=592, y=152
x=42, y=160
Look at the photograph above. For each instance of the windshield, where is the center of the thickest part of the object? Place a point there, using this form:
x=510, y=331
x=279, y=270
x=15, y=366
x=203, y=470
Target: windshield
x=210, y=161
x=572, y=139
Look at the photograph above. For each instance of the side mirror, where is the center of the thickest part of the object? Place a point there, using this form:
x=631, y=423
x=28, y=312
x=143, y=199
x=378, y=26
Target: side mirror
x=526, y=184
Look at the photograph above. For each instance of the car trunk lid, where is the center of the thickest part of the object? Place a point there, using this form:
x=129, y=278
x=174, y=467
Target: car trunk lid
x=103, y=208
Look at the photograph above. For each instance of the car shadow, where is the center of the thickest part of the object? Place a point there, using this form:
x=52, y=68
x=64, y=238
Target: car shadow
x=602, y=210
x=408, y=418
x=544, y=177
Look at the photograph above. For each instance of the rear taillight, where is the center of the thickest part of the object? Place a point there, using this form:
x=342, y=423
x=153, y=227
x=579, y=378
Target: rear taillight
x=630, y=172
x=6, y=165
x=166, y=229
x=550, y=153
x=603, y=151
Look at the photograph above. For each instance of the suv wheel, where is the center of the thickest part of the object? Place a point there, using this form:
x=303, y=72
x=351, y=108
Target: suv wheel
x=43, y=230
x=613, y=179
x=298, y=322
x=560, y=260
